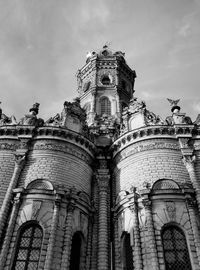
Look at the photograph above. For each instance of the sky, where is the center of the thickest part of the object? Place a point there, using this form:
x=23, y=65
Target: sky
x=44, y=42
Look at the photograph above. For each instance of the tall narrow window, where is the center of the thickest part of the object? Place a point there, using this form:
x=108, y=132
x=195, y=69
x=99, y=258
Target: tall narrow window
x=175, y=249
x=127, y=253
x=28, y=247
x=75, y=252
x=105, y=106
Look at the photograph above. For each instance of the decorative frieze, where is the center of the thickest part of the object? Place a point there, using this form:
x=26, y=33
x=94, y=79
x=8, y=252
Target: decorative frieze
x=146, y=146
x=44, y=145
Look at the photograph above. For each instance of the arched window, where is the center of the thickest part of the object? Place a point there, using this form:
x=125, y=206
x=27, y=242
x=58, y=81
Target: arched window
x=127, y=253
x=175, y=249
x=105, y=106
x=28, y=247
x=75, y=252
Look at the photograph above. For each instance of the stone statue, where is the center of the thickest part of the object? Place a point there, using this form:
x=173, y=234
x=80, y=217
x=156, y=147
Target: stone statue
x=135, y=106
x=31, y=118
x=53, y=121
x=177, y=117
x=5, y=120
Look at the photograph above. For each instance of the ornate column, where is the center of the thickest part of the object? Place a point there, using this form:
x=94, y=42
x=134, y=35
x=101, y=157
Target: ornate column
x=189, y=161
x=193, y=219
x=103, y=242
x=89, y=244
x=117, y=248
x=67, y=237
x=137, y=255
x=52, y=240
x=10, y=229
x=151, y=235
x=19, y=163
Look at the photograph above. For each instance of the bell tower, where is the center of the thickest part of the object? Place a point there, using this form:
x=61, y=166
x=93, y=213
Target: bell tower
x=105, y=85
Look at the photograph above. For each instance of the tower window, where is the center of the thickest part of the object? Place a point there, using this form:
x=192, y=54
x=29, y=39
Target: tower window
x=75, y=252
x=105, y=80
x=175, y=249
x=105, y=106
x=28, y=247
x=127, y=253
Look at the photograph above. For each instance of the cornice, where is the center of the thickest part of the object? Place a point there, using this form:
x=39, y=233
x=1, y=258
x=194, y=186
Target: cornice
x=18, y=132
x=152, y=132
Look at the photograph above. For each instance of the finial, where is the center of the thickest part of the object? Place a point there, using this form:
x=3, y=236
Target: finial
x=173, y=104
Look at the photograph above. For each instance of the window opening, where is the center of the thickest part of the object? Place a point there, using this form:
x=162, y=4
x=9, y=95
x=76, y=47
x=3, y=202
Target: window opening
x=28, y=248
x=127, y=253
x=75, y=252
x=105, y=106
x=175, y=249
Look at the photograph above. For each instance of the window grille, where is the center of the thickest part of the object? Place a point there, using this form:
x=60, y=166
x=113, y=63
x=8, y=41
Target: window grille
x=105, y=106
x=75, y=252
x=127, y=253
x=175, y=249
x=28, y=248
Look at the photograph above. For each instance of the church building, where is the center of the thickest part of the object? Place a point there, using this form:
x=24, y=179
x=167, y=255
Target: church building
x=104, y=184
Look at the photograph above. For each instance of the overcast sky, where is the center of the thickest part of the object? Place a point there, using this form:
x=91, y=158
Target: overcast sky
x=44, y=42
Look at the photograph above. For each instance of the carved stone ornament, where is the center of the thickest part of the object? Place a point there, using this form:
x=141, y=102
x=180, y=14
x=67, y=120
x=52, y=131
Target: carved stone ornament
x=72, y=117
x=189, y=161
x=19, y=158
x=136, y=115
x=103, y=182
x=5, y=120
x=36, y=206
x=79, y=153
x=171, y=210
x=177, y=117
x=184, y=142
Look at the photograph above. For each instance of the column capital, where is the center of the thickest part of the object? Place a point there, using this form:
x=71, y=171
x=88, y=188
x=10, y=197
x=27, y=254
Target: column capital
x=103, y=182
x=147, y=203
x=19, y=158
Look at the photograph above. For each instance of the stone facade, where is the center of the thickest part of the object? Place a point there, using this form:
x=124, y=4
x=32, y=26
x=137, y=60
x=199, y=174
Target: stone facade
x=104, y=184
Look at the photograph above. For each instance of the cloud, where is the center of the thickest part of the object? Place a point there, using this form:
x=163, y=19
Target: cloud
x=184, y=30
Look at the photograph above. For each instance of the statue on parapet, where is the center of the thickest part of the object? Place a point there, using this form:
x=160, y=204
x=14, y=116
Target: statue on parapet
x=5, y=120
x=31, y=118
x=177, y=117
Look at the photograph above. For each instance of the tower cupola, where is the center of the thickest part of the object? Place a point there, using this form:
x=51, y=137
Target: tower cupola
x=105, y=85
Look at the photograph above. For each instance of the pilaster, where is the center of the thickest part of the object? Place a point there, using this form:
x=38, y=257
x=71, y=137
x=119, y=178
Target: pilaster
x=10, y=229
x=151, y=234
x=103, y=178
x=19, y=163
x=189, y=161
x=50, y=250
x=137, y=255
x=67, y=237
x=193, y=219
